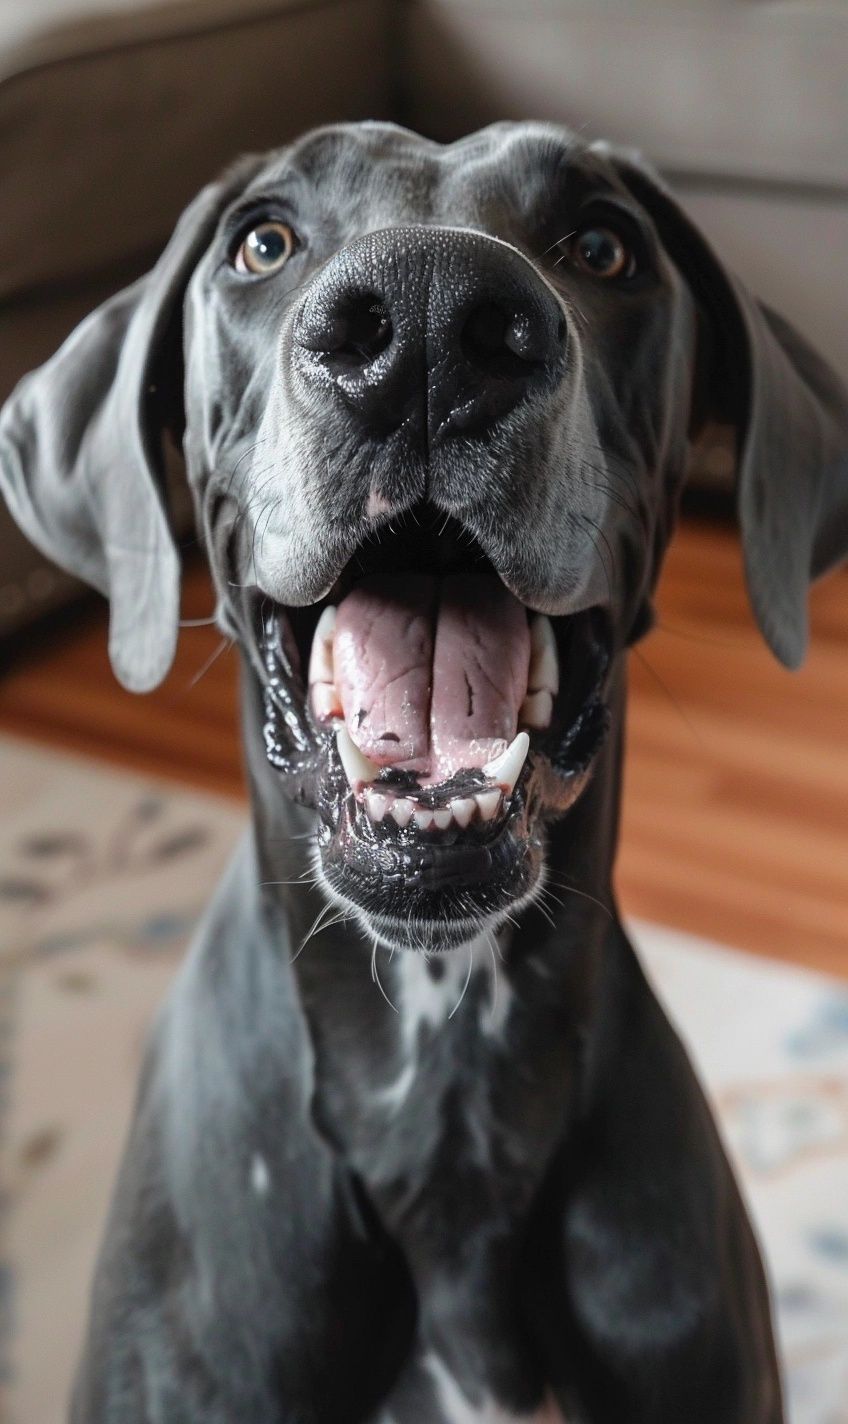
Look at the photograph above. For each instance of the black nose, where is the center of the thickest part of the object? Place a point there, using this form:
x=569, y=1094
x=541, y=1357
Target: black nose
x=441, y=331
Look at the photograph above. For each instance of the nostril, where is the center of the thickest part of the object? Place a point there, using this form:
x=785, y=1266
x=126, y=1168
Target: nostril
x=352, y=333
x=484, y=333
x=500, y=342
x=366, y=328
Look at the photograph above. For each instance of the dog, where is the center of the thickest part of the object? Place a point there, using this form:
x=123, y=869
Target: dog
x=449, y=1162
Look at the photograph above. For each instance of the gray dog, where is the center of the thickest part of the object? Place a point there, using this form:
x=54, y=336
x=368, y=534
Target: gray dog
x=436, y=406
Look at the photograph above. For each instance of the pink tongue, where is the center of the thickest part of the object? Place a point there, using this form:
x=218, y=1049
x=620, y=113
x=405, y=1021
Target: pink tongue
x=432, y=673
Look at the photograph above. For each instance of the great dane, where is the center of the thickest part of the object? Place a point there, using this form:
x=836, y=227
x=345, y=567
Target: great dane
x=414, y=1141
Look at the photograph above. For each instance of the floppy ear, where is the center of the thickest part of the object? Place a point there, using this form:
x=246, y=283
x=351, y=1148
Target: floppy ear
x=81, y=461
x=790, y=413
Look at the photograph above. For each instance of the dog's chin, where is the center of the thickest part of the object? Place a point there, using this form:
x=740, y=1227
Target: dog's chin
x=429, y=890
x=429, y=851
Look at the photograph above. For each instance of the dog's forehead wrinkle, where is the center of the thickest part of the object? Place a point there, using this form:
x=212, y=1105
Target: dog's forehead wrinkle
x=383, y=168
x=499, y=179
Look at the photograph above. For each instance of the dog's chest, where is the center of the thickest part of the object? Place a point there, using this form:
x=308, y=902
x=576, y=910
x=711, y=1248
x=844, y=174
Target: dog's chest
x=447, y=1098
x=449, y=1113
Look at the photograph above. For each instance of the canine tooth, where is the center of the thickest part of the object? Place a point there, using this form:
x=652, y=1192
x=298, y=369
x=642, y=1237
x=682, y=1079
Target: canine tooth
x=424, y=819
x=402, y=810
x=358, y=768
x=537, y=710
x=326, y=702
x=326, y=625
x=488, y=801
x=321, y=656
x=506, y=769
x=463, y=809
x=544, y=662
x=376, y=804
x=442, y=818
x=321, y=663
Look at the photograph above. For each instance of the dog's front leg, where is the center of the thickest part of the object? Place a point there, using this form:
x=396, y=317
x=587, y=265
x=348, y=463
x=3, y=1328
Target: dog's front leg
x=643, y=1280
x=239, y=1280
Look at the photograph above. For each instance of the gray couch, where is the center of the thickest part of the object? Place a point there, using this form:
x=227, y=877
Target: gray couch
x=113, y=112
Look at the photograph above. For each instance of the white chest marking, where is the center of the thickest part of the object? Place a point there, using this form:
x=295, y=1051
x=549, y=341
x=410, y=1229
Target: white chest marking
x=260, y=1177
x=424, y=1001
x=459, y=1410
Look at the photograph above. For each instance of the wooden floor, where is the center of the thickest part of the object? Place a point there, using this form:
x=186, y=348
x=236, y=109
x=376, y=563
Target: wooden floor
x=736, y=800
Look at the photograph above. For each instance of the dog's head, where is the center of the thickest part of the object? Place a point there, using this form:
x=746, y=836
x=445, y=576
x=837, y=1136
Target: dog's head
x=437, y=404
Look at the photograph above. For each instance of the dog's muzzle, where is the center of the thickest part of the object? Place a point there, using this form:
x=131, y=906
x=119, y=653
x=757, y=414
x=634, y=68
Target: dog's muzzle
x=427, y=714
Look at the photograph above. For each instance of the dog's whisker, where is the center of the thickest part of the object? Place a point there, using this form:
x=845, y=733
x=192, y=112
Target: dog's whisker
x=564, y=238
x=612, y=494
x=247, y=513
x=268, y=470
x=222, y=647
x=493, y=1007
x=269, y=505
x=267, y=523
x=319, y=923
x=467, y=980
x=542, y=908
x=675, y=702
x=617, y=465
x=251, y=449
x=298, y=880
x=608, y=471
x=585, y=517
x=375, y=975
x=575, y=890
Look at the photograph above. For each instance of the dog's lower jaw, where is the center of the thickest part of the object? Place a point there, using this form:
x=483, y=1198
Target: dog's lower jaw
x=399, y=898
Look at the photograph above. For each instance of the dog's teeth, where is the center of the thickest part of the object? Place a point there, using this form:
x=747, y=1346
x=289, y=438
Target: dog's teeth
x=326, y=703
x=544, y=662
x=376, y=805
x=463, y=809
x=321, y=656
x=537, y=710
x=488, y=801
x=506, y=769
x=424, y=819
x=402, y=810
x=321, y=663
x=442, y=819
x=358, y=768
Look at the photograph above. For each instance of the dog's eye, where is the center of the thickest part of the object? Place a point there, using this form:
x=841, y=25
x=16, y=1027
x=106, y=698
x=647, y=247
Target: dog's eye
x=265, y=249
x=602, y=253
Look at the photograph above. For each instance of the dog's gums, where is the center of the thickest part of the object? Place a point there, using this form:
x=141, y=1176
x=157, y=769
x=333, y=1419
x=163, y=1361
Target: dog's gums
x=440, y=723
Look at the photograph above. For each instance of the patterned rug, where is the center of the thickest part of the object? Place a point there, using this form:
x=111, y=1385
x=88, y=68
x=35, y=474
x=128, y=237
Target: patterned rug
x=102, y=875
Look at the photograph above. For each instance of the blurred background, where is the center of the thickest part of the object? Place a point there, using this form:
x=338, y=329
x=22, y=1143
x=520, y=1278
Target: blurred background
x=735, y=822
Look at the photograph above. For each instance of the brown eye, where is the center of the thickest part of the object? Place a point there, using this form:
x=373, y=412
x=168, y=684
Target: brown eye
x=601, y=252
x=266, y=249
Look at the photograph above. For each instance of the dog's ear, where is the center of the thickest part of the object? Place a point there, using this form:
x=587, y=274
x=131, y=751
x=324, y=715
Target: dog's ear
x=81, y=459
x=790, y=414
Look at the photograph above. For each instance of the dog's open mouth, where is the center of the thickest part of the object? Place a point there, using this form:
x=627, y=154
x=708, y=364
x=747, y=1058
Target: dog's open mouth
x=439, y=722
